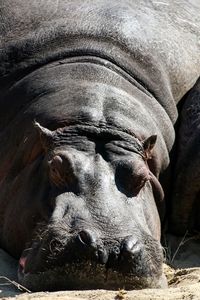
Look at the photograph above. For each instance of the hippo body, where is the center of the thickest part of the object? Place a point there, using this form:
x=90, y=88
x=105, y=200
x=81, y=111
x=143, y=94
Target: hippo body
x=86, y=89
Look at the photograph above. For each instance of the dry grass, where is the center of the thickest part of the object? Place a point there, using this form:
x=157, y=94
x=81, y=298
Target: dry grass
x=121, y=295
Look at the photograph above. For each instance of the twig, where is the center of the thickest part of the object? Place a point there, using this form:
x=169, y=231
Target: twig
x=182, y=242
x=16, y=284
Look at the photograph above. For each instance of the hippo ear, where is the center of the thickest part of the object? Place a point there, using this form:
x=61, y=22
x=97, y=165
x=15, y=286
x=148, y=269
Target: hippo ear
x=148, y=145
x=46, y=135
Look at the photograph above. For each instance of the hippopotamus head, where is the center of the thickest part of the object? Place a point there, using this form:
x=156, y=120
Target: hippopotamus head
x=104, y=229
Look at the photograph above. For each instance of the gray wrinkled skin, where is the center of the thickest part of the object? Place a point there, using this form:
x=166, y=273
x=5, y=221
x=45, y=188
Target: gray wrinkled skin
x=88, y=95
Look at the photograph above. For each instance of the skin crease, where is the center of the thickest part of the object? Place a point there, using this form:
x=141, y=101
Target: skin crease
x=91, y=92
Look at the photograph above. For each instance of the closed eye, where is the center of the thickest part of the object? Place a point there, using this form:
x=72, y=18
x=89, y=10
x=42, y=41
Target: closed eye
x=130, y=180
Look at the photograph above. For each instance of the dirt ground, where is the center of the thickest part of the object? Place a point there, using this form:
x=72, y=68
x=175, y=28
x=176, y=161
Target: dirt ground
x=182, y=271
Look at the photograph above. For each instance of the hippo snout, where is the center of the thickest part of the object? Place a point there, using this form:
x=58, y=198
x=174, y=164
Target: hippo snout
x=87, y=261
x=125, y=251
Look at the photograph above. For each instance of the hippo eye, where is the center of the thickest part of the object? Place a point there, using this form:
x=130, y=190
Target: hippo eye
x=130, y=180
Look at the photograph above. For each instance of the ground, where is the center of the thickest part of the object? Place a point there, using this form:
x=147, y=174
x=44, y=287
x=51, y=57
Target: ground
x=182, y=271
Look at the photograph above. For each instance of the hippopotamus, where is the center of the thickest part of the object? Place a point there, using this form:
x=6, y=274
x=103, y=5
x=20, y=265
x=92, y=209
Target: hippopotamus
x=88, y=102
x=185, y=210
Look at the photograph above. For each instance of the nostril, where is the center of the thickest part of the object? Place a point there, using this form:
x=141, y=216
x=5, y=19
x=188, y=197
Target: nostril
x=86, y=238
x=131, y=246
x=102, y=256
x=116, y=250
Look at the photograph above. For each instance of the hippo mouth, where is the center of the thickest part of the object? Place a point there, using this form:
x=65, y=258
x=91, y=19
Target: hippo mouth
x=84, y=274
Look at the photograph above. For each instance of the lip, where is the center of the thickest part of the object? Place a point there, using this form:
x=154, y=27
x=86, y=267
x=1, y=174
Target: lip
x=87, y=276
x=21, y=272
x=23, y=262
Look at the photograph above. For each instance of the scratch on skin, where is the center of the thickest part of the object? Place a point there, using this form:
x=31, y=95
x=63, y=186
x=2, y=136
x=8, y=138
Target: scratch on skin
x=160, y=3
x=187, y=22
